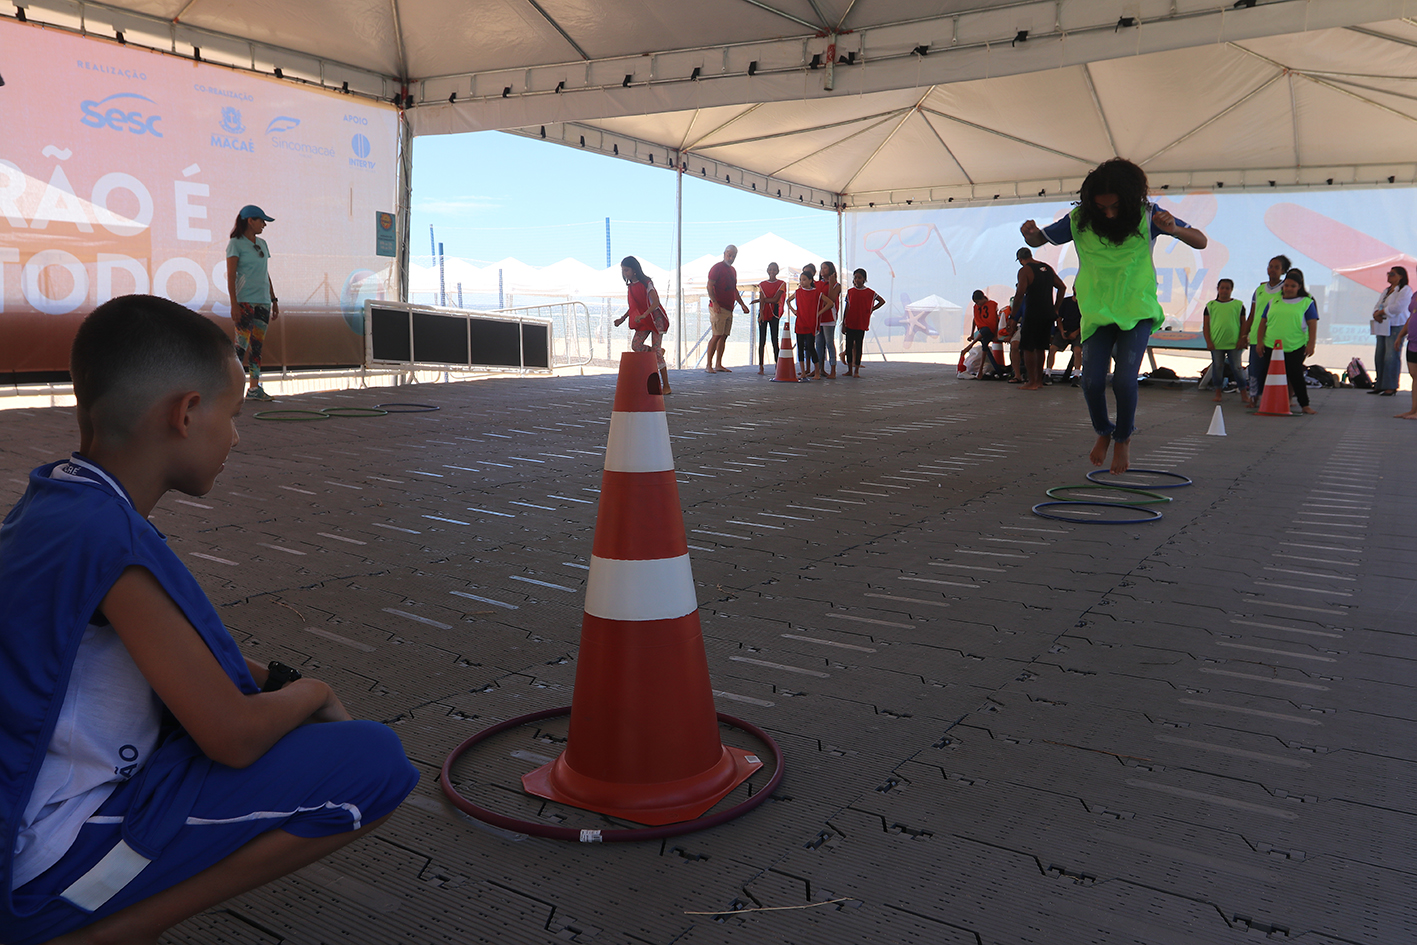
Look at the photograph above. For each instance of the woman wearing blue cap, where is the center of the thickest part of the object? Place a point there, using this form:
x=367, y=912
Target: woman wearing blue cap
x=248, y=284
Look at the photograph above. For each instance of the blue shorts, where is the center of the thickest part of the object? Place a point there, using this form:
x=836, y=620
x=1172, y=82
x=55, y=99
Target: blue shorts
x=317, y=781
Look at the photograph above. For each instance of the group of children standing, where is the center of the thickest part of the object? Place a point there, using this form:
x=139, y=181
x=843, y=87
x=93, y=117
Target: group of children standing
x=814, y=306
x=1282, y=311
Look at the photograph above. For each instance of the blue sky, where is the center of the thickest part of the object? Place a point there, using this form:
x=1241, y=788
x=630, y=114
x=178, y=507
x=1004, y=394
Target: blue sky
x=490, y=195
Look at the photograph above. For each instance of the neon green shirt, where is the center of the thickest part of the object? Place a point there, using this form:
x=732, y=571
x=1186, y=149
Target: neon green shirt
x=1116, y=284
x=1224, y=323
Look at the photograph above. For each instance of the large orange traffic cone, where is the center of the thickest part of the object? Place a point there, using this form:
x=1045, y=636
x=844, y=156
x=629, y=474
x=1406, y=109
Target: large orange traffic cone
x=1274, y=399
x=786, y=366
x=644, y=743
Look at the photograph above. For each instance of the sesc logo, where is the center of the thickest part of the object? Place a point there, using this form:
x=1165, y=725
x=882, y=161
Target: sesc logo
x=117, y=116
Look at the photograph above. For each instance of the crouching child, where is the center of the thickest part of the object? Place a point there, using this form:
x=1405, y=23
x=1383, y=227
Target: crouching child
x=147, y=770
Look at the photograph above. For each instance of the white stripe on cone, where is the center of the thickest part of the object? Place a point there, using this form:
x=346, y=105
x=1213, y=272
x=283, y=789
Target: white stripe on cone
x=654, y=589
x=638, y=442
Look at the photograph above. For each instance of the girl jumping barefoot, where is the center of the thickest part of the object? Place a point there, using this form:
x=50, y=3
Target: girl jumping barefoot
x=1113, y=228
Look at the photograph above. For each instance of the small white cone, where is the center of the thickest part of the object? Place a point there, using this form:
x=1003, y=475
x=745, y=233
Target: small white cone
x=1217, y=423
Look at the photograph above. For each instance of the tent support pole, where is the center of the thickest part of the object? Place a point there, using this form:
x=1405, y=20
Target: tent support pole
x=679, y=257
x=404, y=196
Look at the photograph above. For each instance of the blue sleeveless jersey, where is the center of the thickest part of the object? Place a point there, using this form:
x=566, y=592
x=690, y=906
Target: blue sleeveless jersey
x=62, y=548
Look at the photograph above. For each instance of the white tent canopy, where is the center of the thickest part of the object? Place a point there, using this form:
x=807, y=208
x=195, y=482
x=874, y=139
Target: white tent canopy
x=854, y=103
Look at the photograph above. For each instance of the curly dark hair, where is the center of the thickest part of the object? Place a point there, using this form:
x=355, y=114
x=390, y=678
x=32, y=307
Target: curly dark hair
x=1127, y=182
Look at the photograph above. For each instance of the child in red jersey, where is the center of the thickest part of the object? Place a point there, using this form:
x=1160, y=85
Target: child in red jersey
x=804, y=303
x=771, y=301
x=860, y=303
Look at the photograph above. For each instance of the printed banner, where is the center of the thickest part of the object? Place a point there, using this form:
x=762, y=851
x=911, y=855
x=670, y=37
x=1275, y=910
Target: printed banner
x=928, y=263
x=122, y=170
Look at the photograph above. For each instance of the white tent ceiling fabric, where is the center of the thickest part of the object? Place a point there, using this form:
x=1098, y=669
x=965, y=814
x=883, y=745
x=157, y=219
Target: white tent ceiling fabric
x=923, y=102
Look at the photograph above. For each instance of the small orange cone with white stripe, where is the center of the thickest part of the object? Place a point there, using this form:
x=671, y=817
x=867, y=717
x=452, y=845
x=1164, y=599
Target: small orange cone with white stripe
x=1274, y=400
x=644, y=741
x=786, y=366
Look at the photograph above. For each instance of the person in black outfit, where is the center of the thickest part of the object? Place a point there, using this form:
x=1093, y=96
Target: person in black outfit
x=1067, y=335
x=1036, y=284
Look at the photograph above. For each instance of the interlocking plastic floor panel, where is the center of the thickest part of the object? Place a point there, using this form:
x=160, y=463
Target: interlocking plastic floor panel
x=997, y=728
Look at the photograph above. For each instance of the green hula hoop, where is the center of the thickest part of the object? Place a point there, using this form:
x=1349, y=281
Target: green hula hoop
x=291, y=415
x=1154, y=497
x=353, y=412
x=1151, y=514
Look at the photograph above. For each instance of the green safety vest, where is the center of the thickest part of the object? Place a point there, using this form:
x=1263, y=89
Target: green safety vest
x=1285, y=323
x=1263, y=296
x=1115, y=285
x=1225, y=323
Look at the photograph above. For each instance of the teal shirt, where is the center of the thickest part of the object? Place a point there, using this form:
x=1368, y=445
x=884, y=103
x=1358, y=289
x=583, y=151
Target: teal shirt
x=253, y=281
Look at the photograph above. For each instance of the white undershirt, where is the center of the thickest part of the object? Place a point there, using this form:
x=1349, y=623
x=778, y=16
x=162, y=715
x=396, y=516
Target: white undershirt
x=107, y=729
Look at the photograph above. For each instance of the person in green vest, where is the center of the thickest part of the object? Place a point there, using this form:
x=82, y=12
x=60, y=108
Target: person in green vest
x=1293, y=321
x=1265, y=293
x=1224, y=317
x=1113, y=228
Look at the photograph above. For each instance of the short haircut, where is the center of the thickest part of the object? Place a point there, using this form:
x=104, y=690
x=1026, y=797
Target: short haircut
x=134, y=349
x=1222, y=282
x=979, y=295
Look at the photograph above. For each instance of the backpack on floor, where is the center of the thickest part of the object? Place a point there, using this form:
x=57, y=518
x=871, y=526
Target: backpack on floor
x=1358, y=375
x=1316, y=376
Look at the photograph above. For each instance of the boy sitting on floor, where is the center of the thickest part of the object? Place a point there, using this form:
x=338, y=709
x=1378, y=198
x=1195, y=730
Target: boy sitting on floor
x=147, y=771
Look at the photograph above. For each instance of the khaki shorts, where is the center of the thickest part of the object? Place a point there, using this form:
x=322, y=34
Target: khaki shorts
x=720, y=319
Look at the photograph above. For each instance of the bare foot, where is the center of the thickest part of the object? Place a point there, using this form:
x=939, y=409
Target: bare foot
x=760, y=369
x=1121, y=457
x=708, y=370
x=666, y=389
x=1310, y=410
x=1410, y=415
x=833, y=373
x=1031, y=387
x=1217, y=398
x=1246, y=399
x=1098, y=456
x=724, y=369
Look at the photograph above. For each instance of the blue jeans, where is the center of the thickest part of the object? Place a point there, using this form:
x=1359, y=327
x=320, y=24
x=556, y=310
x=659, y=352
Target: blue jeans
x=1097, y=353
x=826, y=344
x=1218, y=360
x=1387, y=363
x=1259, y=361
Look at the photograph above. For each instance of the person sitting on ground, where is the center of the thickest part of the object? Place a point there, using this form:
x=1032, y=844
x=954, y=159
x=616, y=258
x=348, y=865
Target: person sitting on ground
x=1008, y=334
x=150, y=771
x=1224, y=318
x=986, y=329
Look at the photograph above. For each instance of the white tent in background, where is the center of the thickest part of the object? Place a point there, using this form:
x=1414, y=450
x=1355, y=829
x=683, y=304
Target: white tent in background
x=936, y=317
x=568, y=277
x=753, y=259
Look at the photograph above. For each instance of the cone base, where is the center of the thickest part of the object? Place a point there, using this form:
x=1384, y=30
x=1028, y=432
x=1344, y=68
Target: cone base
x=786, y=371
x=653, y=805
